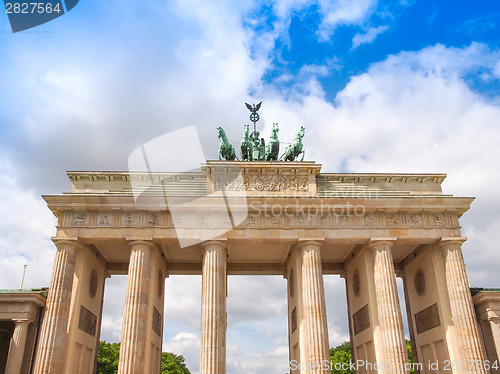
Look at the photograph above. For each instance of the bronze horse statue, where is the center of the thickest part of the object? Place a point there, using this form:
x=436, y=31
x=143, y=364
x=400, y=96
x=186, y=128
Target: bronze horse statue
x=273, y=147
x=246, y=146
x=296, y=148
x=226, y=150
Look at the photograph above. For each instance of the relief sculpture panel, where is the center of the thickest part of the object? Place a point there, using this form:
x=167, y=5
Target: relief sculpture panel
x=261, y=183
x=87, y=321
x=427, y=319
x=361, y=320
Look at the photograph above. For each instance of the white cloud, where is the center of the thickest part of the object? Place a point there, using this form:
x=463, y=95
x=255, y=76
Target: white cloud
x=270, y=291
x=272, y=361
x=336, y=310
x=187, y=345
x=344, y=12
x=333, y=14
x=182, y=302
x=87, y=99
x=337, y=334
x=369, y=36
x=114, y=302
x=285, y=8
x=26, y=226
x=496, y=71
x=323, y=70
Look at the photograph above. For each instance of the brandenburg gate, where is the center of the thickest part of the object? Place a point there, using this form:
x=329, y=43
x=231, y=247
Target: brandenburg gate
x=255, y=218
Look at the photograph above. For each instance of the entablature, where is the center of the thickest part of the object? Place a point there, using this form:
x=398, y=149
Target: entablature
x=256, y=178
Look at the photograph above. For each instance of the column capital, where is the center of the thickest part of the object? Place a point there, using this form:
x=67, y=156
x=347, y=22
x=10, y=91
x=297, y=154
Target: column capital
x=67, y=241
x=136, y=241
x=145, y=239
x=222, y=242
x=374, y=243
x=310, y=241
x=22, y=320
x=493, y=315
x=451, y=240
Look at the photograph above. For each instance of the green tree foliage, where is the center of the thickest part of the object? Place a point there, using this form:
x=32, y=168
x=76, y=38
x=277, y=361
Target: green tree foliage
x=410, y=355
x=342, y=354
x=173, y=364
x=107, y=360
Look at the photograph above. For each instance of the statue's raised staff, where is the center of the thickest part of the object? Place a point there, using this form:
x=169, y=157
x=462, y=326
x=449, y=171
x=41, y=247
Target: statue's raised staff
x=296, y=148
x=246, y=145
x=273, y=147
x=254, y=116
x=226, y=150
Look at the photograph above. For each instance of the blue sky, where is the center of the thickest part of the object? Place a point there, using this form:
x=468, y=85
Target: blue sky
x=401, y=86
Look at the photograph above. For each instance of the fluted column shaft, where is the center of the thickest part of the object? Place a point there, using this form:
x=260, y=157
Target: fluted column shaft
x=52, y=342
x=213, y=309
x=16, y=349
x=495, y=330
x=462, y=308
x=133, y=343
x=315, y=332
x=389, y=312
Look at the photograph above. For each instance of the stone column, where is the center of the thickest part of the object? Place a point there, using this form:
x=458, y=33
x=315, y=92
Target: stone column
x=17, y=345
x=315, y=332
x=133, y=341
x=99, y=322
x=462, y=309
x=409, y=316
x=495, y=330
x=351, y=333
x=389, y=312
x=213, y=309
x=52, y=342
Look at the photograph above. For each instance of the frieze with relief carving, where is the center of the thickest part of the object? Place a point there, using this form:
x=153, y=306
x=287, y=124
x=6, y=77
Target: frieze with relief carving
x=261, y=183
x=104, y=220
x=290, y=218
x=80, y=219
